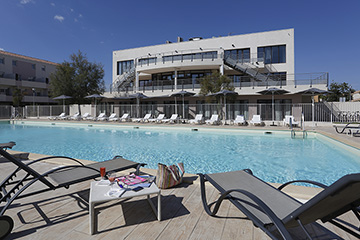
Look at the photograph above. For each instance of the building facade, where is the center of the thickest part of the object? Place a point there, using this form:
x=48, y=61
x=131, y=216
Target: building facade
x=254, y=62
x=27, y=75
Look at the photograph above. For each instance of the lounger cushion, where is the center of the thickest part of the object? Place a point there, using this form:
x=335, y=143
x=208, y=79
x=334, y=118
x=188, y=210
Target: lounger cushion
x=79, y=174
x=280, y=203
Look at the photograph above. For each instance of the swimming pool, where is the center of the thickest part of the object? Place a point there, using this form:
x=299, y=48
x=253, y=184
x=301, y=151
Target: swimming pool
x=273, y=157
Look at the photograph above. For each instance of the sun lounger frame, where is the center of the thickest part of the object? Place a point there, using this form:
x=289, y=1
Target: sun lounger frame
x=281, y=225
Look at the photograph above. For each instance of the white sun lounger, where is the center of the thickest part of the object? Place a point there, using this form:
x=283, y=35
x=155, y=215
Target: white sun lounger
x=256, y=120
x=57, y=117
x=289, y=118
x=113, y=117
x=76, y=116
x=158, y=119
x=214, y=120
x=144, y=119
x=197, y=120
x=85, y=116
x=172, y=119
x=125, y=117
x=239, y=120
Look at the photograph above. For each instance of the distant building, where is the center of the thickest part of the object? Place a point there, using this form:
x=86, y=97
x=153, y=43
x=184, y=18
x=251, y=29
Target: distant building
x=30, y=75
x=356, y=96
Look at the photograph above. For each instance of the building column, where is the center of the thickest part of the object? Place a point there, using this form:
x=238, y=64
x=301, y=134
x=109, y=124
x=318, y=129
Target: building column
x=222, y=69
x=221, y=54
x=136, y=81
x=175, y=81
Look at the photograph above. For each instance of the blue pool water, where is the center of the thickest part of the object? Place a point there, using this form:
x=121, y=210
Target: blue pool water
x=274, y=158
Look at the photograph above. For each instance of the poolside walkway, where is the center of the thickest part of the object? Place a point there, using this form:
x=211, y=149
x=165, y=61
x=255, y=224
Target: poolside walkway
x=63, y=214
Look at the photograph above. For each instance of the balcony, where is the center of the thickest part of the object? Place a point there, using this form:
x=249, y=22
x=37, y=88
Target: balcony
x=184, y=60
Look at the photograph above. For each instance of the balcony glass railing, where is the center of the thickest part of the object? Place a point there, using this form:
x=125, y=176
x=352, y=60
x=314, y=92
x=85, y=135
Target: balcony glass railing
x=280, y=80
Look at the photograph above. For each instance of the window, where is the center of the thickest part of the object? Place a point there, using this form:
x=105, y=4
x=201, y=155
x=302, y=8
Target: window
x=146, y=61
x=14, y=62
x=272, y=54
x=43, y=67
x=33, y=66
x=124, y=66
x=241, y=55
x=2, y=60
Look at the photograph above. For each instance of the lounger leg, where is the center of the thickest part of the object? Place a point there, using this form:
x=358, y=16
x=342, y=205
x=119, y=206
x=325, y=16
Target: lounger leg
x=304, y=229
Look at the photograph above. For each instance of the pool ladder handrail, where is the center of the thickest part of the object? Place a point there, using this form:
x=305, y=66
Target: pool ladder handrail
x=304, y=132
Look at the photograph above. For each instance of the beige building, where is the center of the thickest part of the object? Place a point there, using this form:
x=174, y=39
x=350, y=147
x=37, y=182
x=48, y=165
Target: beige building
x=30, y=75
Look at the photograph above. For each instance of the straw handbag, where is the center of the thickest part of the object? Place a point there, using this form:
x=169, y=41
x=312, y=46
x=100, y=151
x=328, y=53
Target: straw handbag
x=169, y=176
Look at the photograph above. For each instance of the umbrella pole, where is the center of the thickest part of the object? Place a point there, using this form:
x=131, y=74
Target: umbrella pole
x=138, y=107
x=312, y=105
x=64, y=105
x=175, y=106
x=225, y=108
x=183, y=107
x=273, y=109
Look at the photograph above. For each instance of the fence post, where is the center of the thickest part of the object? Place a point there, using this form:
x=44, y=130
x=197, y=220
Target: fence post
x=38, y=111
x=331, y=116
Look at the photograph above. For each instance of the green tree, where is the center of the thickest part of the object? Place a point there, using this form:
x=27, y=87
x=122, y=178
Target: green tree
x=77, y=78
x=338, y=90
x=18, y=96
x=214, y=83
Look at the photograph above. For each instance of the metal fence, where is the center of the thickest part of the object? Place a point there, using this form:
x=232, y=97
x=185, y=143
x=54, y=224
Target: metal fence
x=318, y=112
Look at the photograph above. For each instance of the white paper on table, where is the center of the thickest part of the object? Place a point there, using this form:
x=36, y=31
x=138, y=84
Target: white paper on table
x=103, y=183
x=115, y=192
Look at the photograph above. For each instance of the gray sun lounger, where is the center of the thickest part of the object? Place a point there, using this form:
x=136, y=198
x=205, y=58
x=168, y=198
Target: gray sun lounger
x=63, y=176
x=351, y=127
x=5, y=146
x=276, y=212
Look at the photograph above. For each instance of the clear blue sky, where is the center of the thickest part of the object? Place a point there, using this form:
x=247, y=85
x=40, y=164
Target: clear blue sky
x=327, y=33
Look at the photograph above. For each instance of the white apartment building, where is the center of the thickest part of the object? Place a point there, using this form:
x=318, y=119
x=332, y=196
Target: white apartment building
x=30, y=75
x=254, y=62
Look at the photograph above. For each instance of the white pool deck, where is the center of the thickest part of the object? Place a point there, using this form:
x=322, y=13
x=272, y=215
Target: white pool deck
x=63, y=213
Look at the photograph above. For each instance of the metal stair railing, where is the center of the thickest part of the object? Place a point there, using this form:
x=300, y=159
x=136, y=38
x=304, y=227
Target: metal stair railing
x=246, y=68
x=123, y=80
x=335, y=111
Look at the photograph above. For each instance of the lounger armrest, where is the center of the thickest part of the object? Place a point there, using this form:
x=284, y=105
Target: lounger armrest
x=303, y=181
x=276, y=221
x=54, y=157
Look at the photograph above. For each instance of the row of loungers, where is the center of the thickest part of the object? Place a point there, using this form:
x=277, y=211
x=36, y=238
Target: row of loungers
x=199, y=119
x=269, y=208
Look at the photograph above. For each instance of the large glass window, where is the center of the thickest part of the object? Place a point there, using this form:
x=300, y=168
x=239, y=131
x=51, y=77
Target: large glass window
x=147, y=61
x=272, y=54
x=2, y=60
x=241, y=55
x=124, y=66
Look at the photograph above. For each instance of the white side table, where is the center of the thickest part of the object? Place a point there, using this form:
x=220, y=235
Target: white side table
x=98, y=194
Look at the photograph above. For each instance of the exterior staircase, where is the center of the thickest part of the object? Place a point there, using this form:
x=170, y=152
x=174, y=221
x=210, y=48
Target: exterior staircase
x=247, y=68
x=123, y=80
